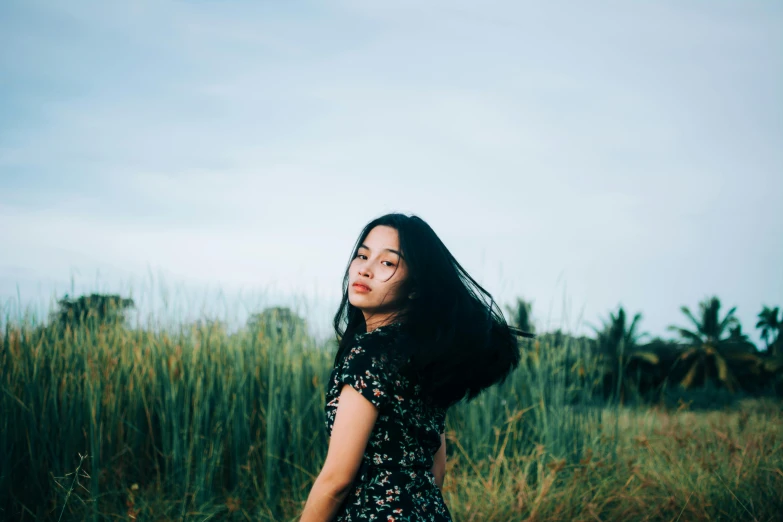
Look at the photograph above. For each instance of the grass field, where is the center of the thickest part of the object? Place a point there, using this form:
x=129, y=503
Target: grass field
x=195, y=423
x=662, y=466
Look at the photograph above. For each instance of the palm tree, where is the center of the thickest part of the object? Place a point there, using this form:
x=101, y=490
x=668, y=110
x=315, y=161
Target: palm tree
x=770, y=327
x=709, y=329
x=654, y=378
x=771, y=333
x=618, y=346
x=712, y=351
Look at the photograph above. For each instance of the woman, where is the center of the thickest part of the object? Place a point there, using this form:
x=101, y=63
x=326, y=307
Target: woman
x=420, y=335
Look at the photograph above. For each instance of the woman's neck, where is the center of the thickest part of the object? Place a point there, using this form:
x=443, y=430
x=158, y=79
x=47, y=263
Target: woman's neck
x=370, y=326
x=377, y=322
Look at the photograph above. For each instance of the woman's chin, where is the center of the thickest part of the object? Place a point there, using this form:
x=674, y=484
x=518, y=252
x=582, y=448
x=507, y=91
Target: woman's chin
x=357, y=301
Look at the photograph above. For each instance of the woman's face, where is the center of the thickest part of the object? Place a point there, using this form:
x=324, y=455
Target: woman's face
x=376, y=276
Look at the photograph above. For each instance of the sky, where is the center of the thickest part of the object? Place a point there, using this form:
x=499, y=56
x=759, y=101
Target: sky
x=581, y=155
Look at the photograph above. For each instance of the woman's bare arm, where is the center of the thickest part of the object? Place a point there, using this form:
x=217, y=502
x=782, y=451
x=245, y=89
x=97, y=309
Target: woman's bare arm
x=439, y=464
x=353, y=424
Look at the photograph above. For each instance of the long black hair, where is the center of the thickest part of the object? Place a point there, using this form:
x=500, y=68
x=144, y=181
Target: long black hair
x=458, y=340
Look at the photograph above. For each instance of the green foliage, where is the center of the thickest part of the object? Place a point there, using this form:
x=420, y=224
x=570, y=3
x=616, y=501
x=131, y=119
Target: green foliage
x=710, y=328
x=618, y=349
x=771, y=367
x=278, y=322
x=522, y=315
x=196, y=412
x=93, y=309
x=716, y=348
x=771, y=327
x=198, y=423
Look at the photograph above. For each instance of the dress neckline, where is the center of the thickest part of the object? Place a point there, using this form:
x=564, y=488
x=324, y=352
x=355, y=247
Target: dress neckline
x=386, y=327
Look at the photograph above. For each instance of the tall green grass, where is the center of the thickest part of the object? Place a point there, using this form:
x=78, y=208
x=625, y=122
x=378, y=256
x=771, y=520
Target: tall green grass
x=194, y=423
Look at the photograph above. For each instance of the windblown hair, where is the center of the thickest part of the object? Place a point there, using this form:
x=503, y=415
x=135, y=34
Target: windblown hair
x=458, y=340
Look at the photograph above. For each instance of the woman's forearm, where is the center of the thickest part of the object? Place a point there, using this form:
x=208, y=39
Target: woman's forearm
x=439, y=471
x=439, y=462
x=323, y=501
x=439, y=476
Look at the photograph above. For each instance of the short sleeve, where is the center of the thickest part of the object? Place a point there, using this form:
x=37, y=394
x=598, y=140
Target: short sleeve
x=365, y=369
x=441, y=422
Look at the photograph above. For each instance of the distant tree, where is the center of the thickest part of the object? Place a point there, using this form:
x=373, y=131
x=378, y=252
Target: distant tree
x=618, y=347
x=709, y=327
x=93, y=309
x=616, y=335
x=771, y=327
x=736, y=335
x=278, y=321
x=521, y=315
x=712, y=353
x=740, y=340
x=652, y=377
x=772, y=334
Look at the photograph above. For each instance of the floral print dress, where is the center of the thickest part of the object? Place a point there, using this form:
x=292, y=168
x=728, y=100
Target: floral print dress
x=394, y=482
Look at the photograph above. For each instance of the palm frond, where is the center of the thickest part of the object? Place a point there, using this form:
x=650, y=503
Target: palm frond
x=723, y=368
x=687, y=335
x=727, y=321
x=687, y=381
x=724, y=373
x=773, y=365
x=685, y=310
x=743, y=356
x=631, y=335
x=649, y=357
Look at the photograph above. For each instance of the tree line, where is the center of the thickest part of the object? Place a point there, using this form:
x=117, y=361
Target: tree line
x=709, y=351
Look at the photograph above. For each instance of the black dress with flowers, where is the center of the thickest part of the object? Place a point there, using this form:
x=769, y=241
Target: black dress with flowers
x=394, y=482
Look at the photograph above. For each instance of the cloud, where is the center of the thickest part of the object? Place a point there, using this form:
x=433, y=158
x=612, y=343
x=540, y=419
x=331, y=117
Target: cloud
x=620, y=152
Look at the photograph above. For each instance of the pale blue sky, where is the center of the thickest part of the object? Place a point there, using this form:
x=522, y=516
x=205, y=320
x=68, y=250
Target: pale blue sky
x=608, y=152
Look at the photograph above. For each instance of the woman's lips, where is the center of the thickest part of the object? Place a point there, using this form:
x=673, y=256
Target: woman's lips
x=360, y=287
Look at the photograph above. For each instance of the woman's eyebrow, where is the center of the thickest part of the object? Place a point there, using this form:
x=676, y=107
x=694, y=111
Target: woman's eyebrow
x=388, y=249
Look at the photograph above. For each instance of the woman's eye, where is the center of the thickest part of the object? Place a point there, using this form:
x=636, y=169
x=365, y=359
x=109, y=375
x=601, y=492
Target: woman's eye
x=363, y=257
